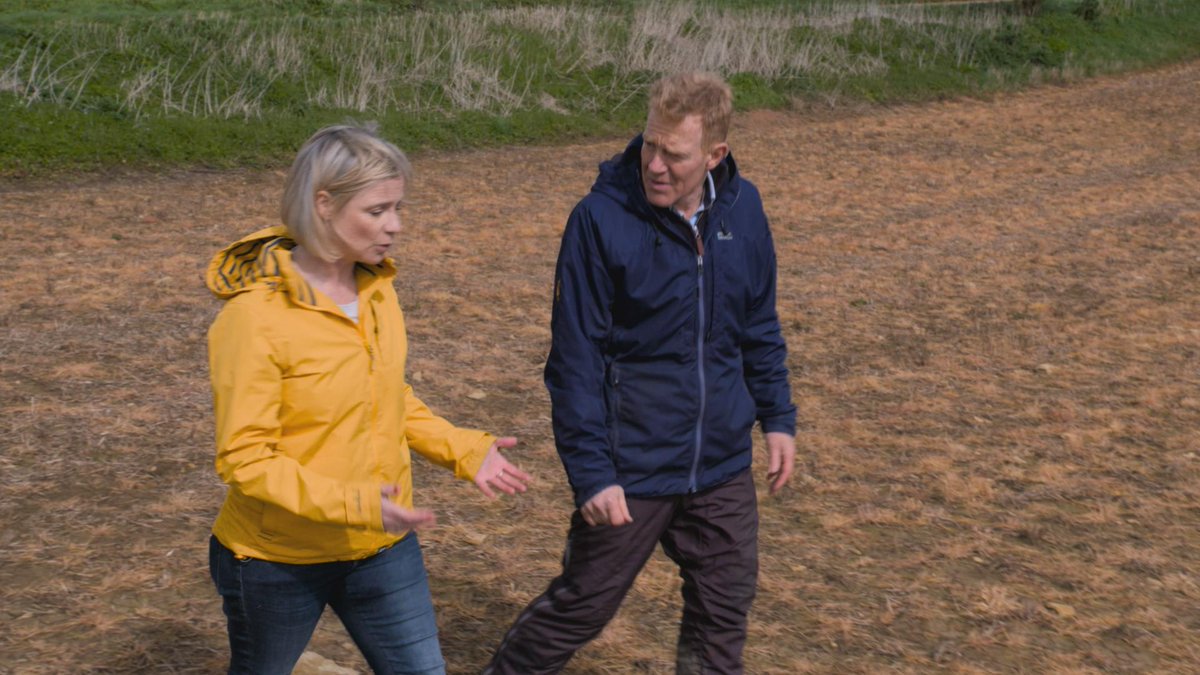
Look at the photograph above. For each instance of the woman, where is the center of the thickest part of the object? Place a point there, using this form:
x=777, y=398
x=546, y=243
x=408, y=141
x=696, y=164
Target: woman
x=315, y=422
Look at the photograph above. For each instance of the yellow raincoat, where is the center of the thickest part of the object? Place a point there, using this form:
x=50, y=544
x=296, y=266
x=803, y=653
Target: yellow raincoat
x=312, y=410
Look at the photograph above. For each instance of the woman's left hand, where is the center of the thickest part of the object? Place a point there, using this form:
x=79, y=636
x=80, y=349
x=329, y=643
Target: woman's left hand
x=497, y=473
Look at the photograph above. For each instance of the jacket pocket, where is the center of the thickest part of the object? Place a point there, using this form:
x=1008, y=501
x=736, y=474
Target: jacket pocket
x=305, y=395
x=731, y=302
x=268, y=522
x=653, y=418
x=612, y=387
x=384, y=336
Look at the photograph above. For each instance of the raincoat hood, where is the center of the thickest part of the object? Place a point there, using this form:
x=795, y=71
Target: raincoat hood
x=264, y=258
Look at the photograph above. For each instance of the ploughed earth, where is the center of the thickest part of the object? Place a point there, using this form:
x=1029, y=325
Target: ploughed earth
x=994, y=329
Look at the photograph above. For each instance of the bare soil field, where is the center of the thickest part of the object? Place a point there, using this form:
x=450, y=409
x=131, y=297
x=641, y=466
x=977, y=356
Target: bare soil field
x=992, y=308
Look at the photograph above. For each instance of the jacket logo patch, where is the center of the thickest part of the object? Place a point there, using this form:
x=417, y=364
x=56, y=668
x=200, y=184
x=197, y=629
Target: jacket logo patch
x=724, y=235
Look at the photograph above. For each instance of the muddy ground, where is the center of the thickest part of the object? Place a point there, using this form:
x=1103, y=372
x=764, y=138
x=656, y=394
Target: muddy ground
x=995, y=347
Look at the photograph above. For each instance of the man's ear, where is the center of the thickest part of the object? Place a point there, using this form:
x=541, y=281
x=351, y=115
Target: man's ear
x=323, y=201
x=716, y=155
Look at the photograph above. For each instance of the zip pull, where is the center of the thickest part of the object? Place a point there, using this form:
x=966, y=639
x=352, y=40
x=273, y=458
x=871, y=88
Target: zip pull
x=696, y=238
x=699, y=247
x=367, y=342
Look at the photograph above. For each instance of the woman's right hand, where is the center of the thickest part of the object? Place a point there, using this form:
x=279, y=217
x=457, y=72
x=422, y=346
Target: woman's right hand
x=397, y=519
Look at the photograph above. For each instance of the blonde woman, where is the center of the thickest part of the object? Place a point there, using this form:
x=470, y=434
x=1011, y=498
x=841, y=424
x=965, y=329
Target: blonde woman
x=315, y=422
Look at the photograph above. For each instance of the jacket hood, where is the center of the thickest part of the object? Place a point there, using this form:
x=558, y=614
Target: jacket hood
x=620, y=178
x=265, y=258
x=251, y=260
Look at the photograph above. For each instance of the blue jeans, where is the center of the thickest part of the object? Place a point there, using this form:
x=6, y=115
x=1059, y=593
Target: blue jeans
x=383, y=601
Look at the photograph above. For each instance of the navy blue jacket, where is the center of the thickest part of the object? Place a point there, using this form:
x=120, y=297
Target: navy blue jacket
x=661, y=359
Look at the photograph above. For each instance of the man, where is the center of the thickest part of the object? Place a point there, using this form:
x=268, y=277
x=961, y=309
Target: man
x=666, y=348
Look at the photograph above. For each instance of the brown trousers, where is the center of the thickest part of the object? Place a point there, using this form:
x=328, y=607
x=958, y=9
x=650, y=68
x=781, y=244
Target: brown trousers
x=712, y=536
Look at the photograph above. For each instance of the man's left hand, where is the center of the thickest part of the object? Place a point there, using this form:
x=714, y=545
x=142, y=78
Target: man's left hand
x=497, y=473
x=781, y=450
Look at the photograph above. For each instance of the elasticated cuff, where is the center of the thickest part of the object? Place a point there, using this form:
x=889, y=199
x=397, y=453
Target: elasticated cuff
x=364, y=506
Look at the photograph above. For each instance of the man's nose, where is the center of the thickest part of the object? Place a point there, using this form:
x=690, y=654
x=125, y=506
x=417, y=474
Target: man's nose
x=656, y=165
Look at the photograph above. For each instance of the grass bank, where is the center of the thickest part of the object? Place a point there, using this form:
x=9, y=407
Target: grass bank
x=95, y=84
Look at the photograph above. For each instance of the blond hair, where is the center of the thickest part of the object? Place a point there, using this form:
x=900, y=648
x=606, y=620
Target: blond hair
x=341, y=160
x=674, y=97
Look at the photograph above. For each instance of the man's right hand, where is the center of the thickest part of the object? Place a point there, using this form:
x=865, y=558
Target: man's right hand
x=607, y=507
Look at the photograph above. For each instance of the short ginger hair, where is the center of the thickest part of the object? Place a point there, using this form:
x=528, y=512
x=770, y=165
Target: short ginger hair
x=674, y=97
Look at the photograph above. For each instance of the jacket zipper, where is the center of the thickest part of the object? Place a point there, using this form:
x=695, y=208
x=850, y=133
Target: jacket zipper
x=374, y=402
x=615, y=433
x=699, y=354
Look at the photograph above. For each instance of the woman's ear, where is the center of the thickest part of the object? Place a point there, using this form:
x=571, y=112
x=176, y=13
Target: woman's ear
x=324, y=205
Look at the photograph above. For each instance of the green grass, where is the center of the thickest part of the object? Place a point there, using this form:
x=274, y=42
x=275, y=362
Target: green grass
x=156, y=83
